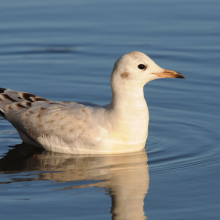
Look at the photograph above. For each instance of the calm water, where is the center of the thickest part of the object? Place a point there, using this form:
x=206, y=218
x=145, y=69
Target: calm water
x=65, y=50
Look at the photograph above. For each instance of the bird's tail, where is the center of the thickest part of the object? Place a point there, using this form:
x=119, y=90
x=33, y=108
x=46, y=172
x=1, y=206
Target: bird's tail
x=10, y=99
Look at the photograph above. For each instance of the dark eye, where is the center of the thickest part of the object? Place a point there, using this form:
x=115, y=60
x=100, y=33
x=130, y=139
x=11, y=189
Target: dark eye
x=141, y=66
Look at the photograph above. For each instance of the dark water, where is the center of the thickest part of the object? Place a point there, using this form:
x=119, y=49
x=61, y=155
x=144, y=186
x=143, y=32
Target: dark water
x=65, y=50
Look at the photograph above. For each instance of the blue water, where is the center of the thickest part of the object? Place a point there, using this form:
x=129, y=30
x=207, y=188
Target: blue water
x=65, y=50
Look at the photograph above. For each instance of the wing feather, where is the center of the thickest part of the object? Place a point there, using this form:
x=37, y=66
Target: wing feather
x=38, y=119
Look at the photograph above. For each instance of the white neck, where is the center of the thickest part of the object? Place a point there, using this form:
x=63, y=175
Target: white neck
x=129, y=113
x=129, y=102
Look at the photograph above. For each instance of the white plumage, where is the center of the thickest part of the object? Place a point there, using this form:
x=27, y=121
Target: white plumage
x=70, y=127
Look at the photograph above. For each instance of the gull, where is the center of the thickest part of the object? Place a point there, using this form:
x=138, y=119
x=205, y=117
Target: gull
x=83, y=128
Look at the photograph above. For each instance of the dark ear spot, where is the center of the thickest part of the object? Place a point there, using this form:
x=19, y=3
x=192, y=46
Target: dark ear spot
x=124, y=75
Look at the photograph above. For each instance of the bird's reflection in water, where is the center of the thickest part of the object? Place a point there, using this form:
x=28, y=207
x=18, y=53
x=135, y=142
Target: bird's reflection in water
x=126, y=176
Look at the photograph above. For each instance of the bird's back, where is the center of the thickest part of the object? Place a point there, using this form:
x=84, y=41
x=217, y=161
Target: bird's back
x=57, y=126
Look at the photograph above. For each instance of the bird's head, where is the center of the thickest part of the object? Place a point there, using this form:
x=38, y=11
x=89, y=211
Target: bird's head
x=136, y=69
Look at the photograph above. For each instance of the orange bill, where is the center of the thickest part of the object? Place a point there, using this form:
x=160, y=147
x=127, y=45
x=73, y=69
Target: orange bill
x=170, y=74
